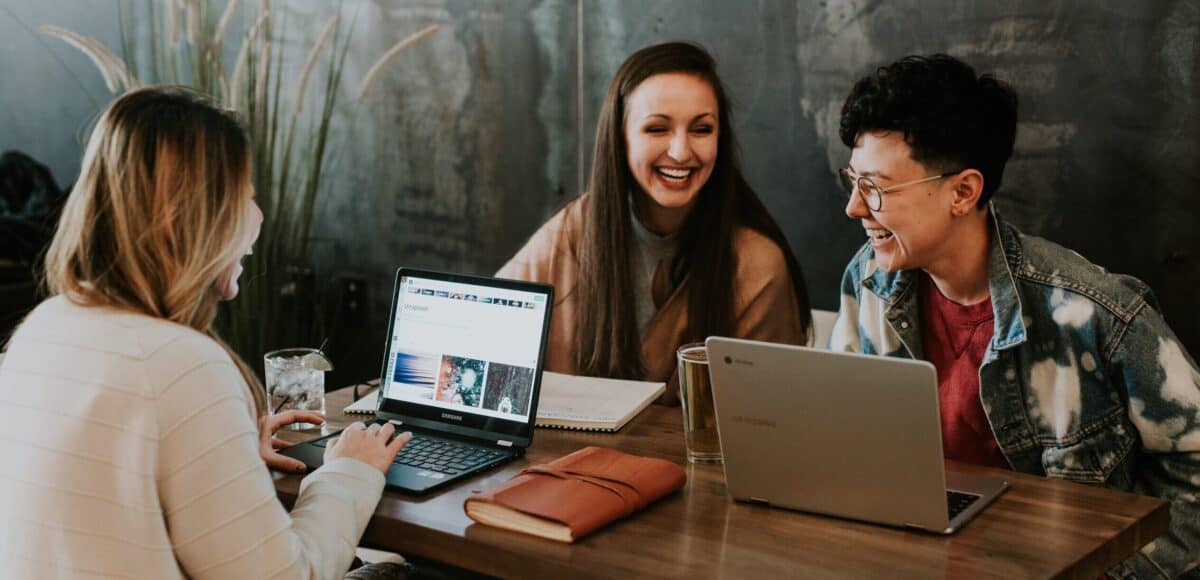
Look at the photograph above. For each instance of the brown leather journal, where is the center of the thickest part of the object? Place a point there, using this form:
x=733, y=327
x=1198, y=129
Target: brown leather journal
x=575, y=495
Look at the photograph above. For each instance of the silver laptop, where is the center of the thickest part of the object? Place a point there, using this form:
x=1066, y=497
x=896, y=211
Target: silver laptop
x=847, y=435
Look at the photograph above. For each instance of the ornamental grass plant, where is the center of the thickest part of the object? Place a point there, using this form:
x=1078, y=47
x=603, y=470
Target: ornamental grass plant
x=282, y=303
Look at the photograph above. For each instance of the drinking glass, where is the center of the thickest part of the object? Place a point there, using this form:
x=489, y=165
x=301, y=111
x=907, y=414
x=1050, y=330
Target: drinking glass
x=699, y=416
x=296, y=380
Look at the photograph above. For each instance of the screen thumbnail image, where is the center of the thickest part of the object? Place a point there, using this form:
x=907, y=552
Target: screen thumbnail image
x=508, y=389
x=460, y=380
x=416, y=373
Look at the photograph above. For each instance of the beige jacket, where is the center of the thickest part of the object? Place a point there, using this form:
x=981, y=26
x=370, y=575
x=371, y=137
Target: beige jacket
x=765, y=306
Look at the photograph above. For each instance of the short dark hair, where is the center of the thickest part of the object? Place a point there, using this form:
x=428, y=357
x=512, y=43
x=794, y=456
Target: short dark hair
x=951, y=117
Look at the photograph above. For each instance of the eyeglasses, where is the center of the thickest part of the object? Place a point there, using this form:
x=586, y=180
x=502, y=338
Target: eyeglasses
x=872, y=194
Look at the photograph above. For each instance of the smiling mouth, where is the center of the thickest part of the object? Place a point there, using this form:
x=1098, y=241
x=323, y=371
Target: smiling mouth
x=878, y=234
x=677, y=175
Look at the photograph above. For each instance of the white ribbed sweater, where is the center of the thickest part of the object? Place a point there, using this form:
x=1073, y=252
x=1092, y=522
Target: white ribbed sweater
x=128, y=449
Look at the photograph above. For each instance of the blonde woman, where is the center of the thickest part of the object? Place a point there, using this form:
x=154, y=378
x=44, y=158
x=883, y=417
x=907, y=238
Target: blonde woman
x=133, y=439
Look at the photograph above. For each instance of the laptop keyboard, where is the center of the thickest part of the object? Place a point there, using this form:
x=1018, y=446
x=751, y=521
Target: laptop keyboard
x=440, y=455
x=444, y=455
x=957, y=502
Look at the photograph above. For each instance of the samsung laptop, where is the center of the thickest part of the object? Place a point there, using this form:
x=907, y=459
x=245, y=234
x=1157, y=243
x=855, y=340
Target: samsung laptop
x=462, y=370
x=841, y=434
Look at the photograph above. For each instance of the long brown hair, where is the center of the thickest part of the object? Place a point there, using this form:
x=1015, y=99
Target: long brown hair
x=607, y=333
x=159, y=213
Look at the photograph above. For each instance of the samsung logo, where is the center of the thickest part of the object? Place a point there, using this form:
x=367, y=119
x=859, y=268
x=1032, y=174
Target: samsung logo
x=452, y=417
x=753, y=421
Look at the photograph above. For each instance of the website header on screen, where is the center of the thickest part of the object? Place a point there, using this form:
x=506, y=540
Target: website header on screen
x=465, y=348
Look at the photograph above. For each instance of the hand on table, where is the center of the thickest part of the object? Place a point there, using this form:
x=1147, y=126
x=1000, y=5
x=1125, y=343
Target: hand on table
x=269, y=445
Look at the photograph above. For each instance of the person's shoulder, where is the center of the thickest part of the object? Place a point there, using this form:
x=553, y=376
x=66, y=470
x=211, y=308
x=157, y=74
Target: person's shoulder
x=155, y=335
x=1044, y=262
x=567, y=221
x=756, y=252
x=570, y=216
x=64, y=321
x=146, y=351
x=553, y=240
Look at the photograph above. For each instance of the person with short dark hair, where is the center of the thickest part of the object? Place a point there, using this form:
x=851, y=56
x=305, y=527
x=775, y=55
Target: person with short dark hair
x=1046, y=363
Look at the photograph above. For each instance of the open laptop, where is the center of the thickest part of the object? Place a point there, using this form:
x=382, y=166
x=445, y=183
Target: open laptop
x=842, y=434
x=462, y=370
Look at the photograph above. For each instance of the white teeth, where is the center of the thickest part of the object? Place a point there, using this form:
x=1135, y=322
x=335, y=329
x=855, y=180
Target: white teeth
x=877, y=233
x=674, y=173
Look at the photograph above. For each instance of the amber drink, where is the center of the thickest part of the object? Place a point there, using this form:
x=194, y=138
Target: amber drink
x=699, y=417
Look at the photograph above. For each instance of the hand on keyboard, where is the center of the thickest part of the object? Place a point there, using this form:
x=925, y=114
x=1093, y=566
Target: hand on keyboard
x=368, y=444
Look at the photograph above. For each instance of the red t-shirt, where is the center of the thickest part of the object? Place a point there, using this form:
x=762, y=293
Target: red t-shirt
x=955, y=338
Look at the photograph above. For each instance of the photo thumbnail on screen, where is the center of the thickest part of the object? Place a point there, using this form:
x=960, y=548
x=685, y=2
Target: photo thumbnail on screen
x=416, y=373
x=508, y=389
x=460, y=380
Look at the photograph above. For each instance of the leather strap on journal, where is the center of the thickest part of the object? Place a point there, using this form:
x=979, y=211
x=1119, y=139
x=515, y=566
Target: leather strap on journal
x=629, y=495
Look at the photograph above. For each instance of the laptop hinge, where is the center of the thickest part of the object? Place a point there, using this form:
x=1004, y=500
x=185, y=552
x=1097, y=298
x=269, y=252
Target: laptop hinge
x=504, y=443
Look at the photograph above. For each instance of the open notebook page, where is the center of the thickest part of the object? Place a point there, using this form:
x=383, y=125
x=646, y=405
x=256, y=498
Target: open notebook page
x=573, y=402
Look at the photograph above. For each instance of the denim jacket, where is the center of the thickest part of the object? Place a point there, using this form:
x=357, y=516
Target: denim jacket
x=1082, y=380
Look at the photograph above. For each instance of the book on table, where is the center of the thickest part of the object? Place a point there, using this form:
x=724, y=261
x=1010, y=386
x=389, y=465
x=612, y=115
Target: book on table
x=592, y=404
x=577, y=494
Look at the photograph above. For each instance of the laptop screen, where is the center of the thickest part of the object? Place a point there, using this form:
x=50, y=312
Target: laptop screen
x=466, y=351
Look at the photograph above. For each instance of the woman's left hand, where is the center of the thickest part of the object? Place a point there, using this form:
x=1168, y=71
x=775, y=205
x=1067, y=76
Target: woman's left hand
x=269, y=445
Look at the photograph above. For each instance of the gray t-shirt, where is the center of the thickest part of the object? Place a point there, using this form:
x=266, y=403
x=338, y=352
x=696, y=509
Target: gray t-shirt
x=649, y=249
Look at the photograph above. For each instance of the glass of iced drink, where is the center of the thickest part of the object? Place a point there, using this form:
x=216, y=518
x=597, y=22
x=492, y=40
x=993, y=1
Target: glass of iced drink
x=296, y=380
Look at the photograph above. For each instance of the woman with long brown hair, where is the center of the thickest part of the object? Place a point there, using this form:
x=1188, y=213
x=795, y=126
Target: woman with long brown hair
x=670, y=244
x=136, y=444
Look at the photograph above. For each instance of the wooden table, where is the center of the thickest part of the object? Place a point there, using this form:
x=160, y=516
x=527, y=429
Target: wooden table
x=1040, y=528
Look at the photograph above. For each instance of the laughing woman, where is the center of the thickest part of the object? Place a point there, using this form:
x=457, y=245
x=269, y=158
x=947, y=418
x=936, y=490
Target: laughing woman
x=670, y=244
x=136, y=444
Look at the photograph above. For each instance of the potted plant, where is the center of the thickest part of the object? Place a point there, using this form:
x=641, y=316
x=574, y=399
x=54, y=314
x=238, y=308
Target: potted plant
x=281, y=304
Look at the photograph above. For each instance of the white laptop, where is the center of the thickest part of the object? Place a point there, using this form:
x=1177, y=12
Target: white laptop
x=847, y=435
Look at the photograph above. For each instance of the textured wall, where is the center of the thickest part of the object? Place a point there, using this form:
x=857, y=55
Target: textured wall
x=49, y=92
x=1106, y=157
x=464, y=149
x=474, y=138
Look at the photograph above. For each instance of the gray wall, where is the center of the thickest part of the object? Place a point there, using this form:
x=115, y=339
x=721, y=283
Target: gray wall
x=478, y=136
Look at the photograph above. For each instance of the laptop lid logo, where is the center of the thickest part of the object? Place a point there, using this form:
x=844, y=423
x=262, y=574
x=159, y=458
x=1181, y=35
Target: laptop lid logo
x=754, y=421
x=452, y=417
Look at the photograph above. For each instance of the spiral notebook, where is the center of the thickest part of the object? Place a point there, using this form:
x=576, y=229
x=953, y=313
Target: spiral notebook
x=573, y=402
x=366, y=405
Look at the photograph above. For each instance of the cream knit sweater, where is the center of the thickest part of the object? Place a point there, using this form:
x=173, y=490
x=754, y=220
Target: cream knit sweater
x=128, y=449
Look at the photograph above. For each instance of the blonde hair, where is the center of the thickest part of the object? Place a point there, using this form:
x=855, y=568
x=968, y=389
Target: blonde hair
x=159, y=213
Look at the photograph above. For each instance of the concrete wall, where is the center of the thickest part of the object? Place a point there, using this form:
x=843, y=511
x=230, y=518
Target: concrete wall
x=476, y=137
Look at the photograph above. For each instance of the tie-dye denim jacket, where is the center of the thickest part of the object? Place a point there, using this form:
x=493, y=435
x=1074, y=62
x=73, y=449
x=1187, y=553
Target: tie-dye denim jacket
x=1082, y=380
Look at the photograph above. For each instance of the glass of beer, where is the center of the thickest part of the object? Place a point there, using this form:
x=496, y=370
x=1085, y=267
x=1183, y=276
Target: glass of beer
x=699, y=417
